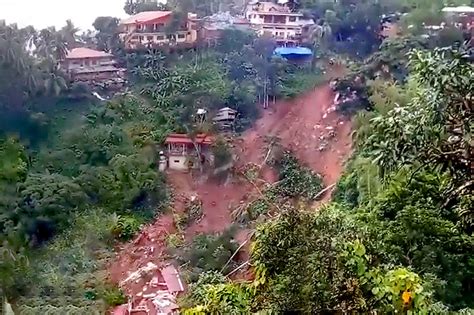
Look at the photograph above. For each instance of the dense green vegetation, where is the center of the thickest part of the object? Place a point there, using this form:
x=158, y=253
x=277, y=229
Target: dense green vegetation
x=77, y=176
x=398, y=235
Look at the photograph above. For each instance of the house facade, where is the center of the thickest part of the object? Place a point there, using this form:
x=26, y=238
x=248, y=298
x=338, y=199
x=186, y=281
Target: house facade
x=212, y=27
x=88, y=65
x=182, y=154
x=285, y=26
x=154, y=29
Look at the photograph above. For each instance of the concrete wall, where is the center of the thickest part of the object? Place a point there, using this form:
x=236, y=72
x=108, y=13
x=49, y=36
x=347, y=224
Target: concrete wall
x=72, y=64
x=178, y=163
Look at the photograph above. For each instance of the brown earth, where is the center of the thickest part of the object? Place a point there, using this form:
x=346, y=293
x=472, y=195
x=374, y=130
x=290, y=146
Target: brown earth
x=308, y=125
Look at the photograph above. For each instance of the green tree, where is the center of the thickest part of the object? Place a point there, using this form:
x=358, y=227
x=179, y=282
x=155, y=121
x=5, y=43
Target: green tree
x=107, y=32
x=136, y=6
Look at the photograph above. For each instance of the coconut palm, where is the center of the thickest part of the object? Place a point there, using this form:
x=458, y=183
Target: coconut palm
x=69, y=32
x=51, y=44
x=54, y=81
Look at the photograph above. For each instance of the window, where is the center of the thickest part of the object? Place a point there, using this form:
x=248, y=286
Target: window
x=149, y=38
x=160, y=37
x=280, y=19
x=176, y=161
x=181, y=36
x=142, y=38
x=292, y=19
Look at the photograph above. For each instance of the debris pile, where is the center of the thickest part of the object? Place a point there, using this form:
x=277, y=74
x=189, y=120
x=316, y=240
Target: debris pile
x=159, y=290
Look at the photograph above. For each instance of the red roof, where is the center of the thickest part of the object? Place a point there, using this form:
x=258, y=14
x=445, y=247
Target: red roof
x=121, y=310
x=185, y=139
x=146, y=16
x=80, y=53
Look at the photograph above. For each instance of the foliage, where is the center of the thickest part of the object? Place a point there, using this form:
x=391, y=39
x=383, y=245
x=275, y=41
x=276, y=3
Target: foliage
x=221, y=152
x=68, y=271
x=126, y=227
x=400, y=145
x=107, y=32
x=208, y=252
x=296, y=180
x=321, y=265
x=136, y=6
x=226, y=298
x=113, y=296
x=13, y=161
x=193, y=212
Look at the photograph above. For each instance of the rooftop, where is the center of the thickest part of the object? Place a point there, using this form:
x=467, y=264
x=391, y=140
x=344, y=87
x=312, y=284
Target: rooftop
x=82, y=52
x=146, y=16
x=185, y=139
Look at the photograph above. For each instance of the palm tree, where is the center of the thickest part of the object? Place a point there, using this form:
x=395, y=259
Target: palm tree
x=54, y=81
x=69, y=32
x=51, y=44
x=319, y=37
x=10, y=45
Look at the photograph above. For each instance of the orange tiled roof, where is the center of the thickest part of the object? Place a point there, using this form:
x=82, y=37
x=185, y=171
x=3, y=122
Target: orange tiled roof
x=79, y=53
x=146, y=16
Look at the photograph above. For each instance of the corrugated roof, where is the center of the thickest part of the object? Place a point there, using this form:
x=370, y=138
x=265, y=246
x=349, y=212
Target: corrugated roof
x=146, y=16
x=184, y=139
x=284, y=51
x=82, y=52
x=172, y=279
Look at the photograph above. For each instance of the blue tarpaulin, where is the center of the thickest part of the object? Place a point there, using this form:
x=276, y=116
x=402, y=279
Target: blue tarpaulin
x=293, y=52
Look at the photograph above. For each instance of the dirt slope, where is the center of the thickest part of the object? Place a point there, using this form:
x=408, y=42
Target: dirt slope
x=305, y=125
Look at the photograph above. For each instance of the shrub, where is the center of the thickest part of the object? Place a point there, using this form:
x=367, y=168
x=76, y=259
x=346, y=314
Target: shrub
x=208, y=252
x=126, y=227
x=113, y=296
x=296, y=180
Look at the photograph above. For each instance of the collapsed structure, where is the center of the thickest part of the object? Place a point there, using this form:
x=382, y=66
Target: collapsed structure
x=160, y=289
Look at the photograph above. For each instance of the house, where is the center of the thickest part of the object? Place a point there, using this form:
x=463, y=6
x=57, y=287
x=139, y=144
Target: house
x=213, y=26
x=154, y=29
x=279, y=21
x=181, y=151
x=225, y=117
x=88, y=65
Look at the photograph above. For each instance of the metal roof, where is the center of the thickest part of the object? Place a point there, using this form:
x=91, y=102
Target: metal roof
x=300, y=51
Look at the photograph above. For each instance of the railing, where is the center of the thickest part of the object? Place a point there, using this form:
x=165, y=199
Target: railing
x=160, y=30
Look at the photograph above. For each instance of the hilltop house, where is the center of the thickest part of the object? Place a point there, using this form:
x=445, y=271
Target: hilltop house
x=212, y=27
x=268, y=18
x=225, y=118
x=91, y=66
x=154, y=29
x=182, y=153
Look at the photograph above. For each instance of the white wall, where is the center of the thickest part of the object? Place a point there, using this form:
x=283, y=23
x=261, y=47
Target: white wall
x=178, y=163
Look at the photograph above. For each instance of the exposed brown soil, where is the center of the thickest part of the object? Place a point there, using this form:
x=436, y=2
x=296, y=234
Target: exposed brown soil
x=307, y=125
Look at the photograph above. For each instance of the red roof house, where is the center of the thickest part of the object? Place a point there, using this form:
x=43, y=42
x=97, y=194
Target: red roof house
x=89, y=65
x=181, y=151
x=149, y=30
